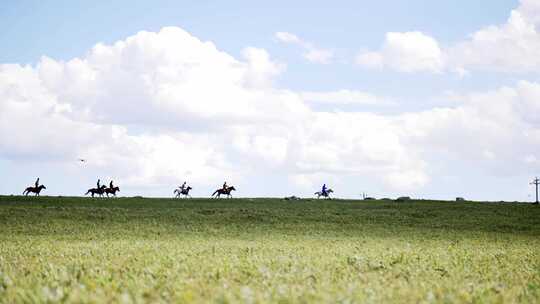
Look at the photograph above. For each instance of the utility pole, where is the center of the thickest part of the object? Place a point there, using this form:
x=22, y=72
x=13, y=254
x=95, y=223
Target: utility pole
x=536, y=182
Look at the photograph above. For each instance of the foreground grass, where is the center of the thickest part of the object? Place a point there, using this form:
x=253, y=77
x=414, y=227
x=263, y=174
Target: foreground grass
x=267, y=250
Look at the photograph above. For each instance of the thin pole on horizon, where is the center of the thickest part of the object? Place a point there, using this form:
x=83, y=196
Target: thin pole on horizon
x=536, y=182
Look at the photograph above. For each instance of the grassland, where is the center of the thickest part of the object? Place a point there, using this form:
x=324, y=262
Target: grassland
x=267, y=250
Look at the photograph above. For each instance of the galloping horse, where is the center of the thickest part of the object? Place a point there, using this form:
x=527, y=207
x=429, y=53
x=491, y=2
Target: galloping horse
x=325, y=195
x=221, y=191
x=35, y=190
x=184, y=192
x=112, y=191
x=99, y=191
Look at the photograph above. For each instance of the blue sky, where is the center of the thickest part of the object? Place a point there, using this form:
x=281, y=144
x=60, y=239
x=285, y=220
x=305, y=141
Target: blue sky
x=426, y=82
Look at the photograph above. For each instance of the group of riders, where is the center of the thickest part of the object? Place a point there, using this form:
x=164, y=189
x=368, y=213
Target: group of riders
x=183, y=190
x=102, y=189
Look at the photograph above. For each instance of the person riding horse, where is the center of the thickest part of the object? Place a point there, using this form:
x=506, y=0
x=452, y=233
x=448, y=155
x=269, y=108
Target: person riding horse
x=111, y=190
x=99, y=191
x=325, y=192
x=37, y=189
x=182, y=190
x=224, y=190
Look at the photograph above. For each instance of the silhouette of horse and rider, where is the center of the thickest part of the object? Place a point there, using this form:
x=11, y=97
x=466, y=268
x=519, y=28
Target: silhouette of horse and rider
x=36, y=189
x=182, y=190
x=102, y=189
x=225, y=190
x=325, y=192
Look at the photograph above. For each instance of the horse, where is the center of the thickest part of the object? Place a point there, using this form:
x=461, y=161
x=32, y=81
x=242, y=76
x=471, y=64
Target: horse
x=112, y=191
x=326, y=195
x=185, y=192
x=226, y=191
x=98, y=191
x=35, y=190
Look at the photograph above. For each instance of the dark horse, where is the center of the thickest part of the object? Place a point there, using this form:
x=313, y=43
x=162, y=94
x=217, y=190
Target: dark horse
x=35, y=190
x=325, y=195
x=112, y=191
x=221, y=191
x=99, y=191
x=184, y=192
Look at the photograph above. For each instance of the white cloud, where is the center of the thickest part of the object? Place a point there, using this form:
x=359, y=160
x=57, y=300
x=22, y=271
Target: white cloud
x=405, y=52
x=312, y=53
x=344, y=97
x=156, y=108
x=494, y=130
x=510, y=47
x=287, y=37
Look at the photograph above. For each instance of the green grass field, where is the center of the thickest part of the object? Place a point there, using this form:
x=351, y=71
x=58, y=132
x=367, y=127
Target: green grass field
x=267, y=250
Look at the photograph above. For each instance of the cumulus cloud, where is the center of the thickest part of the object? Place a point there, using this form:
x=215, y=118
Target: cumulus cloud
x=344, y=97
x=311, y=52
x=405, y=52
x=510, y=47
x=495, y=130
x=156, y=108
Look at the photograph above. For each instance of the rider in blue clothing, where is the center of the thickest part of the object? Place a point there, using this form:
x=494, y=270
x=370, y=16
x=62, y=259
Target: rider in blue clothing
x=323, y=189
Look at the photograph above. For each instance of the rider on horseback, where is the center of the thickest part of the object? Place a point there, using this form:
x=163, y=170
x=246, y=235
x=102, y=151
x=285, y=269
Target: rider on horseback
x=37, y=182
x=98, y=183
x=111, y=185
x=225, y=186
x=323, y=191
x=183, y=187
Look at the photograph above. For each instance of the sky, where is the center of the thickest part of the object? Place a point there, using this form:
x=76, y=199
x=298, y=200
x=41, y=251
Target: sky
x=428, y=99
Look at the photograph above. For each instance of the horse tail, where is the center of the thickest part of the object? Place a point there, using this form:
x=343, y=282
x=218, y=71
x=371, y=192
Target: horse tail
x=87, y=192
x=25, y=190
